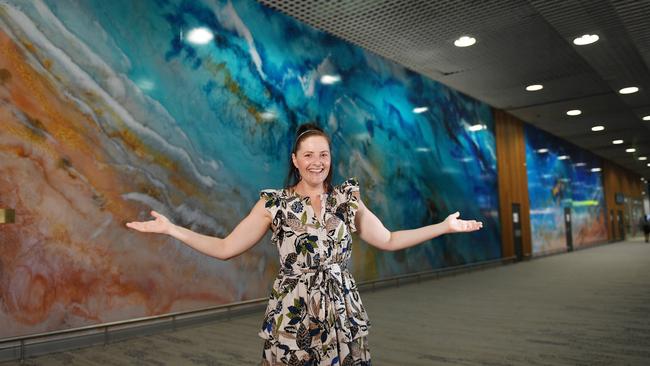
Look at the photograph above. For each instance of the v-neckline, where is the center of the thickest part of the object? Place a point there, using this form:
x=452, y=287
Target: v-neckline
x=321, y=210
x=320, y=215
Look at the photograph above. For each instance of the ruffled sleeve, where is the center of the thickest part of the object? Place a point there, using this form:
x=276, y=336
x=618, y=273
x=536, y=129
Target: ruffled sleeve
x=273, y=204
x=348, y=188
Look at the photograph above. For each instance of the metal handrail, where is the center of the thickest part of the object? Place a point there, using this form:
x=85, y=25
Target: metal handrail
x=438, y=270
x=104, y=327
x=226, y=307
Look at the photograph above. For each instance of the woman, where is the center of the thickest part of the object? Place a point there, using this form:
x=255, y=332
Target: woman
x=314, y=315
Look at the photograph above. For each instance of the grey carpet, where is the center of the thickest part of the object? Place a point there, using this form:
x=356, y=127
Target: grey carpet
x=589, y=307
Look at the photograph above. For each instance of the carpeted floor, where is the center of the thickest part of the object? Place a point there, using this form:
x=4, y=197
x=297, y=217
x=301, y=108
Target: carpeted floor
x=589, y=307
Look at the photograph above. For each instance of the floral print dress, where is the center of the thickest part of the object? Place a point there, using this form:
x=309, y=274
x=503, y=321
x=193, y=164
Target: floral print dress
x=315, y=315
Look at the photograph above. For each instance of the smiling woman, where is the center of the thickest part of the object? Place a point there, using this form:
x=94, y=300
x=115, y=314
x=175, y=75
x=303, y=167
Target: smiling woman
x=310, y=159
x=315, y=315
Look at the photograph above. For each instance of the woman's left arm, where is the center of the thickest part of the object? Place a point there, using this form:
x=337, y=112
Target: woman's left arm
x=373, y=232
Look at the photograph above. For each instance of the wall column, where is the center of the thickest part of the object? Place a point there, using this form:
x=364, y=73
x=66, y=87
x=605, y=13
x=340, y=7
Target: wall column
x=512, y=181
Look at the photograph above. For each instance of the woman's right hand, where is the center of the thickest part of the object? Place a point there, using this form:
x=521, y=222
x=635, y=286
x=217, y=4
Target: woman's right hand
x=160, y=225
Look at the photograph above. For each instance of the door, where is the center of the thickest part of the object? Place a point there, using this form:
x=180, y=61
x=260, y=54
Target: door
x=612, y=223
x=567, y=227
x=621, y=227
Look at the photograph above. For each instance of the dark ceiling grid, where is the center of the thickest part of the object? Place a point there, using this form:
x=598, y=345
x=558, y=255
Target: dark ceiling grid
x=615, y=56
x=520, y=42
x=616, y=60
x=635, y=15
x=528, y=61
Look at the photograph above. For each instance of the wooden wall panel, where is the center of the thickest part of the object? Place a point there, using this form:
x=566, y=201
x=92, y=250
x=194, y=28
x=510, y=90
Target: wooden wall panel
x=512, y=180
x=618, y=179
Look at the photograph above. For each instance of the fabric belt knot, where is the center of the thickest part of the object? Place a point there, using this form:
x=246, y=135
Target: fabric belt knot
x=326, y=313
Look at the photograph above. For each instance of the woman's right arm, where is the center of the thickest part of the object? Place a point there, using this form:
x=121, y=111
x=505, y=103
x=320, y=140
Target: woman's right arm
x=247, y=233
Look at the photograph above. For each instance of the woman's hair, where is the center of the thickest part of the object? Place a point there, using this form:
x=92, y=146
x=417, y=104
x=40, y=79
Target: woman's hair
x=304, y=131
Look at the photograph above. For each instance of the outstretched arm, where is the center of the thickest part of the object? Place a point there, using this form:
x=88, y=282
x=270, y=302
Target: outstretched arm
x=249, y=231
x=373, y=232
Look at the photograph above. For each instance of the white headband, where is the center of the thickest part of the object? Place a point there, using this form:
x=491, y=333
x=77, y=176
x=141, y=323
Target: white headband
x=304, y=132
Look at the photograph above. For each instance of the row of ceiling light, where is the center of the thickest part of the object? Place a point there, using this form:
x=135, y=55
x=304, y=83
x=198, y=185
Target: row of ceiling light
x=616, y=142
x=582, y=41
x=466, y=41
x=567, y=157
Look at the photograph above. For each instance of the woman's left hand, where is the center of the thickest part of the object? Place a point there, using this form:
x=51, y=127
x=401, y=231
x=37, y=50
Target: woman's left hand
x=456, y=225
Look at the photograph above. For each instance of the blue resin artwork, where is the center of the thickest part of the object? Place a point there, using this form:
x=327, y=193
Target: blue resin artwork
x=113, y=108
x=561, y=175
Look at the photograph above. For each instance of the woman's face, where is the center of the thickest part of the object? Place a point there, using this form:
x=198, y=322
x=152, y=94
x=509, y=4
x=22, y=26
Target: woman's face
x=313, y=159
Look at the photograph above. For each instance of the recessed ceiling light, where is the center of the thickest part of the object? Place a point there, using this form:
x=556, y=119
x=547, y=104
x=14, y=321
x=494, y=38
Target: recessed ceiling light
x=563, y=157
x=629, y=90
x=464, y=41
x=648, y=164
x=598, y=128
x=617, y=142
x=534, y=87
x=574, y=112
x=585, y=39
x=330, y=79
x=475, y=128
x=200, y=35
x=646, y=118
x=630, y=150
x=581, y=164
x=542, y=151
x=419, y=110
x=643, y=158
x=595, y=170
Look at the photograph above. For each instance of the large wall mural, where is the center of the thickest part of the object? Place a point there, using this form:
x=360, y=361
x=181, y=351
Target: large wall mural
x=561, y=175
x=108, y=110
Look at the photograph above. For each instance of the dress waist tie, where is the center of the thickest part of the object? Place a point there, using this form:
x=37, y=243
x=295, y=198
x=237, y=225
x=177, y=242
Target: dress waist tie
x=326, y=314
